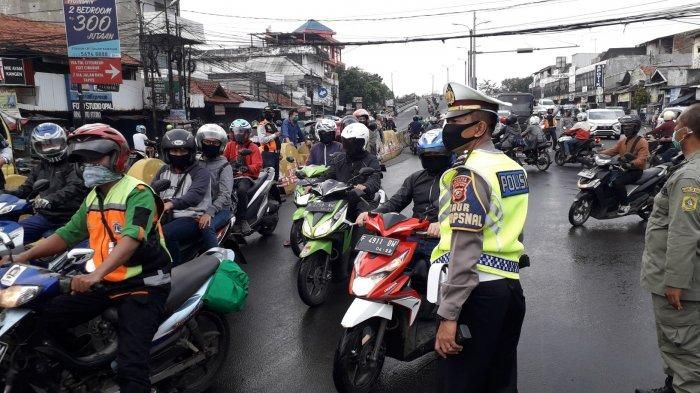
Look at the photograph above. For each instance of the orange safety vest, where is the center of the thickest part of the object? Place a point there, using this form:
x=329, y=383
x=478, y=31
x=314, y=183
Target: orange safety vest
x=269, y=146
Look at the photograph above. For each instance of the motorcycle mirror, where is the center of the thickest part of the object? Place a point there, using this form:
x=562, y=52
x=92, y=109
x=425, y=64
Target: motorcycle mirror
x=289, y=159
x=40, y=185
x=299, y=174
x=79, y=256
x=245, y=152
x=160, y=185
x=383, y=167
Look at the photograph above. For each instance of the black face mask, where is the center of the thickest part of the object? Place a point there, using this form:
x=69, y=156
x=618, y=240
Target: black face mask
x=179, y=162
x=326, y=137
x=629, y=132
x=240, y=138
x=452, y=136
x=353, y=147
x=268, y=117
x=435, y=165
x=210, y=151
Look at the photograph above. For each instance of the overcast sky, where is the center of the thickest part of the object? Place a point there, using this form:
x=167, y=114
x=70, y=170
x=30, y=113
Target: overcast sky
x=415, y=65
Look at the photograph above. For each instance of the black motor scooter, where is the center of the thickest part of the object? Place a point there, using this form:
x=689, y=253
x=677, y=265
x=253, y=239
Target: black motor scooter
x=596, y=198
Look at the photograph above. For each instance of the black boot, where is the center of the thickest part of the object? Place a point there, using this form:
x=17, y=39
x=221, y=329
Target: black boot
x=667, y=388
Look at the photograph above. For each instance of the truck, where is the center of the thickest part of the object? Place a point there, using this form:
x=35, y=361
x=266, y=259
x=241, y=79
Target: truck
x=522, y=104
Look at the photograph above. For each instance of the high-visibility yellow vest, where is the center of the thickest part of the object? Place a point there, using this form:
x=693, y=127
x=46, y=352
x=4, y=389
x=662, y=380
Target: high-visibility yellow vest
x=505, y=214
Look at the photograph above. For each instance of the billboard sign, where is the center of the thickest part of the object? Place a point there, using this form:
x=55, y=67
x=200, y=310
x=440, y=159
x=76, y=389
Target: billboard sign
x=96, y=71
x=94, y=102
x=599, y=75
x=91, y=28
x=12, y=72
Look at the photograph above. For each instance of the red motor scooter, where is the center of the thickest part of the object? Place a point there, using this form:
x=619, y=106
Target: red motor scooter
x=382, y=320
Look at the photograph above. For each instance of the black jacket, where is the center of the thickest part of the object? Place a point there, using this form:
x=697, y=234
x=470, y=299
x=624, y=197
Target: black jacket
x=66, y=190
x=342, y=168
x=421, y=188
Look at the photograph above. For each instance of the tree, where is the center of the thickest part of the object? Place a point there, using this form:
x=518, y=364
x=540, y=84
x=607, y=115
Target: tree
x=489, y=87
x=640, y=97
x=516, y=85
x=355, y=82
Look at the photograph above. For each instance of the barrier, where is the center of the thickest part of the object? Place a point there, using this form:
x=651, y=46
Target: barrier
x=12, y=182
x=145, y=169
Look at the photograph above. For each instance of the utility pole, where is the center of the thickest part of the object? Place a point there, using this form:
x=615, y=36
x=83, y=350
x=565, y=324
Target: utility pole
x=171, y=91
x=466, y=83
x=432, y=90
x=448, y=73
x=473, y=55
x=392, y=82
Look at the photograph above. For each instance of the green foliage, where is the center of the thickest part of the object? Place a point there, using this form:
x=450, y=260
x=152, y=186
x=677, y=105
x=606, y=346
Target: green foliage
x=640, y=98
x=489, y=87
x=354, y=82
x=516, y=85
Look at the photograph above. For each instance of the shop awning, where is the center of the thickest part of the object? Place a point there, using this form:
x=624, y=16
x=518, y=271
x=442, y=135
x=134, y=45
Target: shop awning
x=253, y=105
x=682, y=99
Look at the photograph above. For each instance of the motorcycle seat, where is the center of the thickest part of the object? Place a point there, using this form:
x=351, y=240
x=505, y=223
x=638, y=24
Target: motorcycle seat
x=258, y=183
x=187, y=278
x=647, y=175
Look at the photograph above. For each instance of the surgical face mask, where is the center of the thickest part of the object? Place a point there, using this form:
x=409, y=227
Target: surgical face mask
x=353, y=146
x=179, y=162
x=435, y=165
x=452, y=136
x=97, y=175
x=210, y=151
x=678, y=143
x=295, y=118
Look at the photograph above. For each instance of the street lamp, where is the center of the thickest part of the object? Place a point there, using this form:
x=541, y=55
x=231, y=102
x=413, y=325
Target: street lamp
x=472, y=48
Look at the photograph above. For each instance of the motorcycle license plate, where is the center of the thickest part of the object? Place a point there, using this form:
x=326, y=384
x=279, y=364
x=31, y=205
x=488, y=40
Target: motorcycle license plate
x=320, y=207
x=377, y=244
x=588, y=174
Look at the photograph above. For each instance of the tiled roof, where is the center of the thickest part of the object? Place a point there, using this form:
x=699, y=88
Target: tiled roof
x=214, y=93
x=314, y=26
x=20, y=36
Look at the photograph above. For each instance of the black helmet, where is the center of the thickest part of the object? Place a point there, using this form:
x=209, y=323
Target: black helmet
x=415, y=118
x=179, y=139
x=630, y=125
x=346, y=121
x=512, y=119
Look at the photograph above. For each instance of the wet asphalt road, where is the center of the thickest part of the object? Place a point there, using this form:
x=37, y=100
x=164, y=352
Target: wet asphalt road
x=588, y=327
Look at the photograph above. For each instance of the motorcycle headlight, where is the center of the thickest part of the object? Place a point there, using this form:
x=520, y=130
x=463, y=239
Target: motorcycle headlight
x=306, y=228
x=340, y=213
x=303, y=199
x=17, y=295
x=6, y=209
x=324, y=228
x=391, y=266
x=361, y=286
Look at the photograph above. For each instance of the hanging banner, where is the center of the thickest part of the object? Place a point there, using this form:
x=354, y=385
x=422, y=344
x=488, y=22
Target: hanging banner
x=8, y=102
x=91, y=28
x=600, y=75
x=12, y=72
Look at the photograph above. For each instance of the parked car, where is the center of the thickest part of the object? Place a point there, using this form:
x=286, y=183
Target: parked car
x=543, y=105
x=606, y=122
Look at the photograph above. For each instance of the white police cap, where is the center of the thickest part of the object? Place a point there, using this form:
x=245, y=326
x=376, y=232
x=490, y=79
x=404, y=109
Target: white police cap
x=463, y=99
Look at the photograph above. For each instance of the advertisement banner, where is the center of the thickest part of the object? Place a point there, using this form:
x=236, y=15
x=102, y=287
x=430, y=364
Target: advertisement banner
x=12, y=72
x=8, y=102
x=96, y=71
x=599, y=75
x=94, y=102
x=91, y=28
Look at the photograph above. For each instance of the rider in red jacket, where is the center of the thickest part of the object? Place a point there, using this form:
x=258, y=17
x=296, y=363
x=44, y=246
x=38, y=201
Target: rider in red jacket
x=245, y=170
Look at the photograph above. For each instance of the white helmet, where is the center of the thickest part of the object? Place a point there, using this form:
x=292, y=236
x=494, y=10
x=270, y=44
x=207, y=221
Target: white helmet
x=669, y=115
x=534, y=120
x=212, y=131
x=582, y=116
x=356, y=130
x=325, y=125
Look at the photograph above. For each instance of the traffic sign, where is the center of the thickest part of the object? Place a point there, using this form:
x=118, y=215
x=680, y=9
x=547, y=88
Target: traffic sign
x=322, y=92
x=96, y=71
x=91, y=28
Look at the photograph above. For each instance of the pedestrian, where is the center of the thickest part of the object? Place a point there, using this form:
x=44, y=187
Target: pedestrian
x=291, y=133
x=549, y=125
x=483, y=206
x=268, y=137
x=671, y=263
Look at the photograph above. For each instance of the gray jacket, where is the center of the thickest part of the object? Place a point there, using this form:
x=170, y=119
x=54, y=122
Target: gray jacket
x=222, y=184
x=672, y=243
x=193, y=197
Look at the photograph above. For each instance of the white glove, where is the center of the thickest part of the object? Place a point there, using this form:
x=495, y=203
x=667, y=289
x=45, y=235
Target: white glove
x=41, y=203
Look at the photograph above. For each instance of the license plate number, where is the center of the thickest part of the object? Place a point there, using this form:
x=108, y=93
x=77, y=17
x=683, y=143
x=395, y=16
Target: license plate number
x=377, y=244
x=320, y=207
x=588, y=174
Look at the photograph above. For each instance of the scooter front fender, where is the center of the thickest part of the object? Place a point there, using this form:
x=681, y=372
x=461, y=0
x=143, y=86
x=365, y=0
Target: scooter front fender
x=361, y=310
x=298, y=213
x=584, y=194
x=10, y=317
x=316, y=245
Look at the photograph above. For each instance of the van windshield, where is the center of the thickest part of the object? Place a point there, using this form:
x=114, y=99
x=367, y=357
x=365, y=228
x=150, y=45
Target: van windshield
x=602, y=115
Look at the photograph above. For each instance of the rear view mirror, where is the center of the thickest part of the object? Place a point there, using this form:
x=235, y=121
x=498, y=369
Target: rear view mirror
x=160, y=185
x=40, y=185
x=245, y=152
x=80, y=256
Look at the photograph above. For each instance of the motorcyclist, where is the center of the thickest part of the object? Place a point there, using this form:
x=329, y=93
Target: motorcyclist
x=189, y=196
x=211, y=140
x=363, y=117
x=533, y=134
x=56, y=205
x=415, y=127
x=434, y=123
x=581, y=132
x=345, y=167
x=321, y=151
x=664, y=134
x=140, y=139
x=130, y=257
x=633, y=151
x=567, y=121
x=511, y=134
x=246, y=168
x=268, y=137
x=549, y=125
x=422, y=188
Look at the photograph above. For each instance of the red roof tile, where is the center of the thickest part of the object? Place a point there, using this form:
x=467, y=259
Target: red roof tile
x=214, y=93
x=20, y=36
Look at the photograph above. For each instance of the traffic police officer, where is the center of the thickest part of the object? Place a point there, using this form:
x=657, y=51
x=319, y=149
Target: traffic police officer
x=671, y=263
x=483, y=206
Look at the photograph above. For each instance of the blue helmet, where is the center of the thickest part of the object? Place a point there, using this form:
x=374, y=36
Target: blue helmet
x=49, y=141
x=431, y=142
x=141, y=129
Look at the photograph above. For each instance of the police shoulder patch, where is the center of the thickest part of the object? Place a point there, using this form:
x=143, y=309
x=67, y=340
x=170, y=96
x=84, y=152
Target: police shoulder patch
x=513, y=182
x=693, y=190
x=690, y=203
x=467, y=211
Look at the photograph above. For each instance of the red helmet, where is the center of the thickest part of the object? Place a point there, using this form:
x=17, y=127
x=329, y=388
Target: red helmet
x=360, y=112
x=93, y=141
